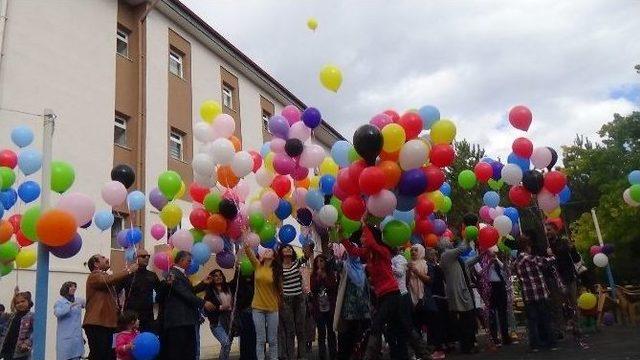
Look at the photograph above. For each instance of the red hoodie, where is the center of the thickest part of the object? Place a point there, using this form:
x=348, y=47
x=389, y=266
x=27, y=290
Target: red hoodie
x=378, y=258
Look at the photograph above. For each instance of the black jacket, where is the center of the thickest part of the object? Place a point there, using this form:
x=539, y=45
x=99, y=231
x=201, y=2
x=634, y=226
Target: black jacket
x=211, y=296
x=138, y=290
x=181, y=306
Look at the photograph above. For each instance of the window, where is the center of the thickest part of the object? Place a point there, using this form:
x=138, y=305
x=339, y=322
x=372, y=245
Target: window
x=122, y=42
x=175, y=63
x=120, y=131
x=227, y=96
x=119, y=221
x=265, y=120
x=176, y=144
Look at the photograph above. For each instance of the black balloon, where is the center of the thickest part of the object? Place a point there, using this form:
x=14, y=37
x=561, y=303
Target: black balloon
x=293, y=147
x=304, y=216
x=533, y=181
x=123, y=174
x=554, y=158
x=228, y=209
x=367, y=141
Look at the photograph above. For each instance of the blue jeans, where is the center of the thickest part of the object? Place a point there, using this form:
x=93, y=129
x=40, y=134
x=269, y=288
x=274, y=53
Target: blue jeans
x=223, y=338
x=266, y=323
x=539, y=321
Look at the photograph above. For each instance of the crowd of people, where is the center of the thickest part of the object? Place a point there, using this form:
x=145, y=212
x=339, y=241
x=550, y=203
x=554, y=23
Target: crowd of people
x=369, y=299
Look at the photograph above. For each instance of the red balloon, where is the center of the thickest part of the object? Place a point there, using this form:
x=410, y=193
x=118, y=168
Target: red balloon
x=522, y=147
x=435, y=177
x=555, y=181
x=431, y=240
x=483, y=171
x=371, y=180
x=22, y=240
x=197, y=192
x=353, y=207
x=520, y=117
x=442, y=155
x=257, y=160
x=8, y=158
x=519, y=196
x=424, y=227
x=424, y=206
x=487, y=237
x=412, y=124
x=14, y=220
x=346, y=183
x=356, y=168
x=198, y=218
x=393, y=115
x=339, y=193
x=281, y=185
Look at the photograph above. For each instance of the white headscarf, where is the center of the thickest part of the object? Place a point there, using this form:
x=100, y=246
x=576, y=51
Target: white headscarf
x=416, y=286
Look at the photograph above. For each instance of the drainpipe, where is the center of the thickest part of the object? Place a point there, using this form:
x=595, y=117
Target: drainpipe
x=3, y=24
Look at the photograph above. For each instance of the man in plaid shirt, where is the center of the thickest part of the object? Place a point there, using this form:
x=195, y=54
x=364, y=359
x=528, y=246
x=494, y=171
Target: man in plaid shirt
x=529, y=269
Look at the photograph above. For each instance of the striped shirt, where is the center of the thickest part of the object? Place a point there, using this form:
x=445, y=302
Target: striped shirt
x=292, y=278
x=530, y=271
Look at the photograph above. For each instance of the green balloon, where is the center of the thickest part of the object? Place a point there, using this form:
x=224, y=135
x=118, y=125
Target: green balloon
x=62, y=176
x=246, y=268
x=471, y=232
x=5, y=269
x=7, y=177
x=267, y=232
x=256, y=221
x=8, y=251
x=212, y=201
x=349, y=226
x=197, y=235
x=634, y=192
x=169, y=184
x=467, y=179
x=396, y=233
x=28, y=222
x=407, y=254
x=353, y=155
x=336, y=203
x=446, y=205
x=495, y=185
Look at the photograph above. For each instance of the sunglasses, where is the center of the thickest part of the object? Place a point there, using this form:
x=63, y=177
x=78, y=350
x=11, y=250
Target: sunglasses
x=144, y=256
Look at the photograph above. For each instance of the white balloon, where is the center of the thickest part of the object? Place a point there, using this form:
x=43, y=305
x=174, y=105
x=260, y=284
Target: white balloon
x=205, y=181
x=328, y=215
x=203, y=132
x=312, y=156
x=503, y=224
x=223, y=151
x=242, y=164
x=541, y=157
x=223, y=126
x=264, y=177
x=627, y=198
x=413, y=154
x=495, y=212
x=299, y=131
x=600, y=260
x=512, y=174
x=203, y=165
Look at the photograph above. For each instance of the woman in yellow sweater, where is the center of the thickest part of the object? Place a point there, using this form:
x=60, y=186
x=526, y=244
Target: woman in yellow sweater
x=266, y=301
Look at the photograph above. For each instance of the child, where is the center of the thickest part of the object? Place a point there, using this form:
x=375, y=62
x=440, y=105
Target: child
x=128, y=324
x=17, y=327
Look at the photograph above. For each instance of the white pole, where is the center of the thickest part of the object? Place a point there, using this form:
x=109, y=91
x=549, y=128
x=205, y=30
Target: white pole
x=612, y=283
x=595, y=222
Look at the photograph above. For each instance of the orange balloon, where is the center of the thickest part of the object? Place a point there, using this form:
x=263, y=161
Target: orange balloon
x=431, y=240
x=237, y=144
x=392, y=173
x=304, y=183
x=390, y=156
x=56, y=228
x=226, y=177
x=6, y=231
x=217, y=224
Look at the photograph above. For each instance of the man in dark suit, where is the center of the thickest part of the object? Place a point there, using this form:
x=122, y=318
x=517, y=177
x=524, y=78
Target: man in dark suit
x=181, y=312
x=138, y=291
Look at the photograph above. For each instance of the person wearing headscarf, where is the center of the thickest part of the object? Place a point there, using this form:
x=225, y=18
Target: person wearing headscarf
x=68, y=311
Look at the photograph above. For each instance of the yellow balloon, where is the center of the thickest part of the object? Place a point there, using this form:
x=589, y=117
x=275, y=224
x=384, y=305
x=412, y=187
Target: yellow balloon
x=209, y=109
x=555, y=213
x=587, y=301
x=26, y=258
x=312, y=24
x=171, y=214
x=328, y=166
x=268, y=162
x=180, y=193
x=314, y=182
x=437, y=198
x=393, y=138
x=443, y=132
x=331, y=77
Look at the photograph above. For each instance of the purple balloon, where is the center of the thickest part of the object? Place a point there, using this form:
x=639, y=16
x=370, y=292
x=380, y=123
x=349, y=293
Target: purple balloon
x=279, y=127
x=515, y=229
x=225, y=260
x=157, y=199
x=412, y=182
x=123, y=239
x=608, y=319
x=497, y=170
x=311, y=117
x=69, y=250
x=607, y=249
x=439, y=227
x=405, y=203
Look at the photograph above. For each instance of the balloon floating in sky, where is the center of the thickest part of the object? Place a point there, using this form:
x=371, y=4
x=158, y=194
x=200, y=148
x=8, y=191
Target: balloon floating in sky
x=331, y=77
x=312, y=24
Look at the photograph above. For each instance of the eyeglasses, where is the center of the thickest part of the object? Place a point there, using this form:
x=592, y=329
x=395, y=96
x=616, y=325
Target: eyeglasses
x=144, y=256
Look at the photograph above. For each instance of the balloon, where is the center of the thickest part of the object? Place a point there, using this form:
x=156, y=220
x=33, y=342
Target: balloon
x=311, y=117
x=312, y=156
x=291, y=113
x=607, y=249
x=541, y=157
x=413, y=154
x=555, y=182
x=209, y=110
x=197, y=218
x=429, y=115
x=503, y=224
x=547, y=201
x=328, y=166
x=304, y=216
x=133, y=236
x=331, y=77
x=405, y=216
x=483, y=171
x=517, y=160
x=442, y=155
x=62, y=176
x=223, y=126
x=467, y=179
x=293, y=147
x=6, y=231
x=225, y=260
x=520, y=117
x=314, y=199
x=123, y=174
x=169, y=183
x=554, y=158
x=222, y=151
x=519, y=196
x=411, y=123
x=29, y=191
x=522, y=147
x=256, y=221
x=287, y=233
x=443, y=132
x=157, y=231
x=214, y=242
x=328, y=215
x=182, y=240
x=228, y=209
x=391, y=172
x=495, y=185
x=155, y=198
x=368, y=142
x=353, y=207
x=7, y=178
x=257, y=160
x=114, y=193
x=634, y=177
x=278, y=126
x=281, y=185
x=487, y=237
x=267, y=232
x=393, y=136
x=29, y=161
x=203, y=164
x=327, y=182
x=587, y=301
x=371, y=180
x=171, y=215
x=511, y=174
x=396, y=233
x=312, y=24
x=56, y=227
x=435, y=177
x=627, y=198
x=203, y=132
x=445, y=189
x=246, y=268
x=226, y=177
x=5, y=269
x=146, y=345
x=8, y=251
x=8, y=158
x=283, y=210
x=201, y=253
x=565, y=195
x=8, y=198
x=412, y=182
x=471, y=232
x=80, y=206
x=340, y=153
x=382, y=204
x=380, y=121
x=68, y=250
x=533, y=181
x=496, y=169
x=634, y=192
x=22, y=136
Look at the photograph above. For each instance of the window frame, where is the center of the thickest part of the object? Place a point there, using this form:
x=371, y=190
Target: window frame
x=180, y=142
x=120, y=30
x=178, y=58
x=119, y=218
x=122, y=126
x=265, y=120
x=227, y=92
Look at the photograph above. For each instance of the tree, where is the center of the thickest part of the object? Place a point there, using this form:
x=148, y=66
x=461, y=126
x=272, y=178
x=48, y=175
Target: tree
x=467, y=156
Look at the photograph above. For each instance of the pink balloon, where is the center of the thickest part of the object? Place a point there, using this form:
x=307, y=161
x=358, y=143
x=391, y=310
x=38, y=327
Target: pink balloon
x=242, y=190
x=161, y=261
x=312, y=156
x=291, y=113
x=380, y=121
x=299, y=131
x=157, y=231
x=338, y=250
x=299, y=173
x=277, y=145
x=223, y=126
x=484, y=213
x=270, y=202
x=215, y=243
x=283, y=164
x=182, y=240
x=298, y=197
x=255, y=206
x=234, y=230
x=382, y=204
x=252, y=239
x=547, y=201
x=79, y=205
x=495, y=212
x=114, y=193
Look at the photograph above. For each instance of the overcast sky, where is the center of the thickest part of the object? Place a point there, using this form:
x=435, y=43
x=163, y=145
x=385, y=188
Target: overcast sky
x=571, y=62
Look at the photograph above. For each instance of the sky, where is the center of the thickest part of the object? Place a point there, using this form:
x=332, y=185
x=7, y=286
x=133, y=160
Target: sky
x=570, y=62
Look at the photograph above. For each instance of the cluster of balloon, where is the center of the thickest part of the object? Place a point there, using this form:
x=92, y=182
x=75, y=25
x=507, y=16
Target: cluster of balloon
x=601, y=254
x=632, y=194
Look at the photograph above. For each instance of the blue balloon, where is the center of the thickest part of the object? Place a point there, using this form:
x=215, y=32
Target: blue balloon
x=134, y=236
x=491, y=199
x=192, y=268
x=103, y=219
x=439, y=227
x=416, y=239
x=512, y=213
x=487, y=160
x=314, y=199
x=201, y=253
x=634, y=177
x=8, y=198
x=445, y=189
x=22, y=136
x=405, y=216
x=515, y=229
x=123, y=238
x=287, y=233
x=304, y=239
x=520, y=161
x=406, y=202
x=265, y=149
x=497, y=170
x=326, y=184
x=429, y=114
x=271, y=244
x=135, y=200
x=565, y=195
x=283, y=210
x=340, y=153
x=130, y=254
x=29, y=160
x=1, y=211
x=412, y=183
x=146, y=346
x=29, y=191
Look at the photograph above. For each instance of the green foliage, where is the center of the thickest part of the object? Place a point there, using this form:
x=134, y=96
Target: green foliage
x=464, y=201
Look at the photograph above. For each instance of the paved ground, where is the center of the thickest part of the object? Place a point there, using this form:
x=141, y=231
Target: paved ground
x=611, y=343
